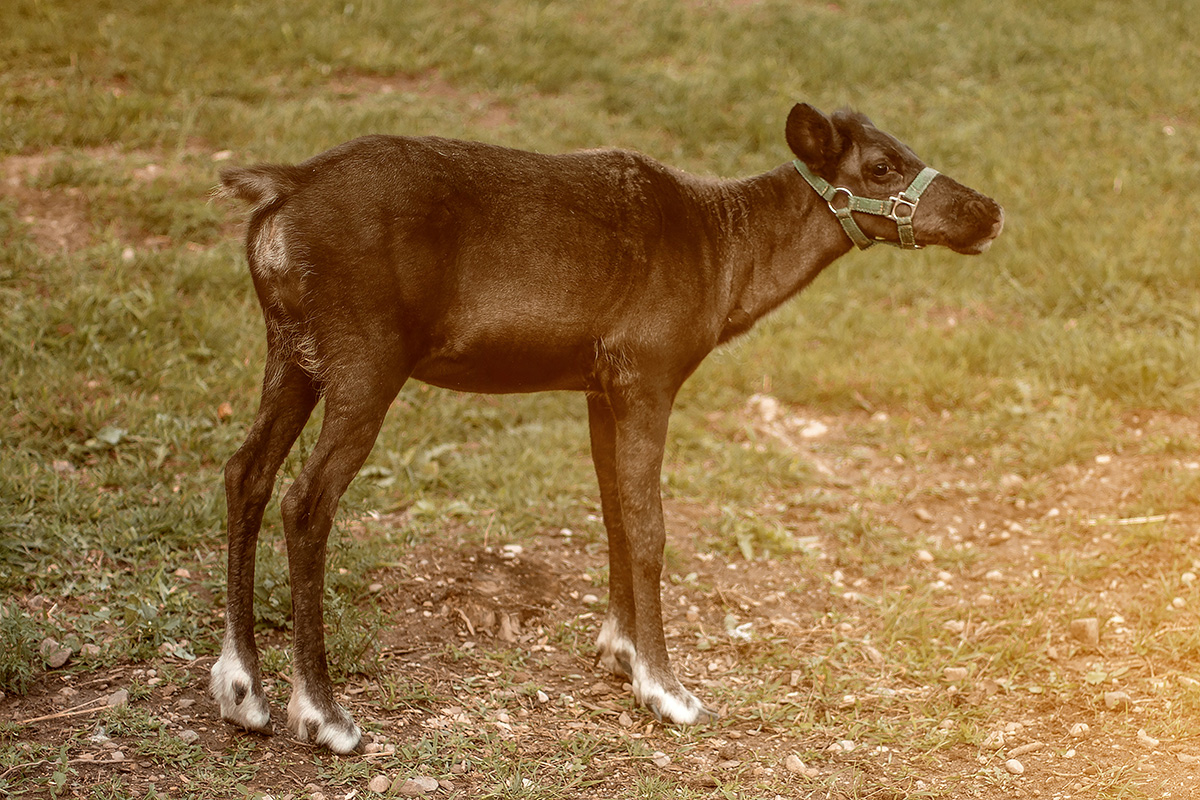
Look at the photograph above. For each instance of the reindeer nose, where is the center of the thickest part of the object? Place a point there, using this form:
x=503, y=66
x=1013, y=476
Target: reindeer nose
x=982, y=209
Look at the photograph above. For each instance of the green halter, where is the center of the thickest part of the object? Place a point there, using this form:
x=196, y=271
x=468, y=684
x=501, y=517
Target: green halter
x=900, y=208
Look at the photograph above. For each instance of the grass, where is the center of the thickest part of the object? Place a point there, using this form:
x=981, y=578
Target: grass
x=131, y=344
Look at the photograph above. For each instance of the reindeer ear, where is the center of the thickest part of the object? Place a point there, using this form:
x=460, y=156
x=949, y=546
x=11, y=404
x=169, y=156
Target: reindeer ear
x=813, y=138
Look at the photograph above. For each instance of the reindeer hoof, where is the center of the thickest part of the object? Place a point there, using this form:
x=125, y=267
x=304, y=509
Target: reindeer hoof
x=331, y=727
x=669, y=702
x=239, y=696
x=614, y=651
x=681, y=711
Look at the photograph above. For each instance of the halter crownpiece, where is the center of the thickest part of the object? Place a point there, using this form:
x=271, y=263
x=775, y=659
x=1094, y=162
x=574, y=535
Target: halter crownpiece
x=899, y=208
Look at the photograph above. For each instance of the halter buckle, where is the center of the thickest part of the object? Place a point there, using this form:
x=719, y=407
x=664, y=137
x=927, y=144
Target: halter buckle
x=902, y=201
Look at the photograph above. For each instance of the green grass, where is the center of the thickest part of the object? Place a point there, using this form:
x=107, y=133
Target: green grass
x=118, y=352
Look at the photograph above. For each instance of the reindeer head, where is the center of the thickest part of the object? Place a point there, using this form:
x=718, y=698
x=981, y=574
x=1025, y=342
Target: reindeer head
x=881, y=191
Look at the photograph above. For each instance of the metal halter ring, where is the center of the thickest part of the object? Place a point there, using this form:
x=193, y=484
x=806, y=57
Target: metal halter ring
x=900, y=201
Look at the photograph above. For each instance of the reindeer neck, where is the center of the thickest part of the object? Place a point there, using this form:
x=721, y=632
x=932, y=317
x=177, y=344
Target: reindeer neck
x=780, y=236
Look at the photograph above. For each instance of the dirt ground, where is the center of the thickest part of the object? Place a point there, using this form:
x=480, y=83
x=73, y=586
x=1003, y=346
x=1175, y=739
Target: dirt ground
x=519, y=675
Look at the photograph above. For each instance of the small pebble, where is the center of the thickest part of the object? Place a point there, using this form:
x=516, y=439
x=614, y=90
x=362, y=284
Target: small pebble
x=379, y=784
x=54, y=653
x=1015, y=767
x=185, y=703
x=955, y=674
x=116, y=755
x=1080, y=729
x=1146, y=740
x=414, y=787
x=590, y=599
x=1086, y=631
x=660, y=759
x=189, y=736
x=118, y=699
x=1116, y=700
x=794, y=765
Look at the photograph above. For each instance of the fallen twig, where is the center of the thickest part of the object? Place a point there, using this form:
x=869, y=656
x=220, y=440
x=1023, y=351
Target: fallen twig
x=1146, y=520
x=74, y=711
x=4, y=774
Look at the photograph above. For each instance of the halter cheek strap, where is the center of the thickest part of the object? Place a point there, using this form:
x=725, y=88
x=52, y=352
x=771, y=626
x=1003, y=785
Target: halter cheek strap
x=899, y=208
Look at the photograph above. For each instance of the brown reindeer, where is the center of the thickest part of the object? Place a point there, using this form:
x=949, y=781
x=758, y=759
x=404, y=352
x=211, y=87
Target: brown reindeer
x=485, y=269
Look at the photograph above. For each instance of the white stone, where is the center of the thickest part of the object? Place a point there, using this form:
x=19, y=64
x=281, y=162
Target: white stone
x=1146, y=740
x=415, y=787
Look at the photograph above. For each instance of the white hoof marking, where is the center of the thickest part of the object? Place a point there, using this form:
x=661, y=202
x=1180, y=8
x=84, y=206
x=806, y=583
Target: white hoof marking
x=308, y=723
x=615, y=650
x=670, y=704
x=234, y=691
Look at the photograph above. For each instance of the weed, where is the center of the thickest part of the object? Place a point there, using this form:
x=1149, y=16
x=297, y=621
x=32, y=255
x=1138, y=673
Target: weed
x=19, y=657
x=130, y=720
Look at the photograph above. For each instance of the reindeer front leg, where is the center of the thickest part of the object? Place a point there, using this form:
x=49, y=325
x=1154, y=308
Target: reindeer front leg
x=640, y=432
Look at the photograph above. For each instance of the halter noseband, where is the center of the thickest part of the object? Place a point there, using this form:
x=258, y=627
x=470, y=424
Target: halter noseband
x=898, y=208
